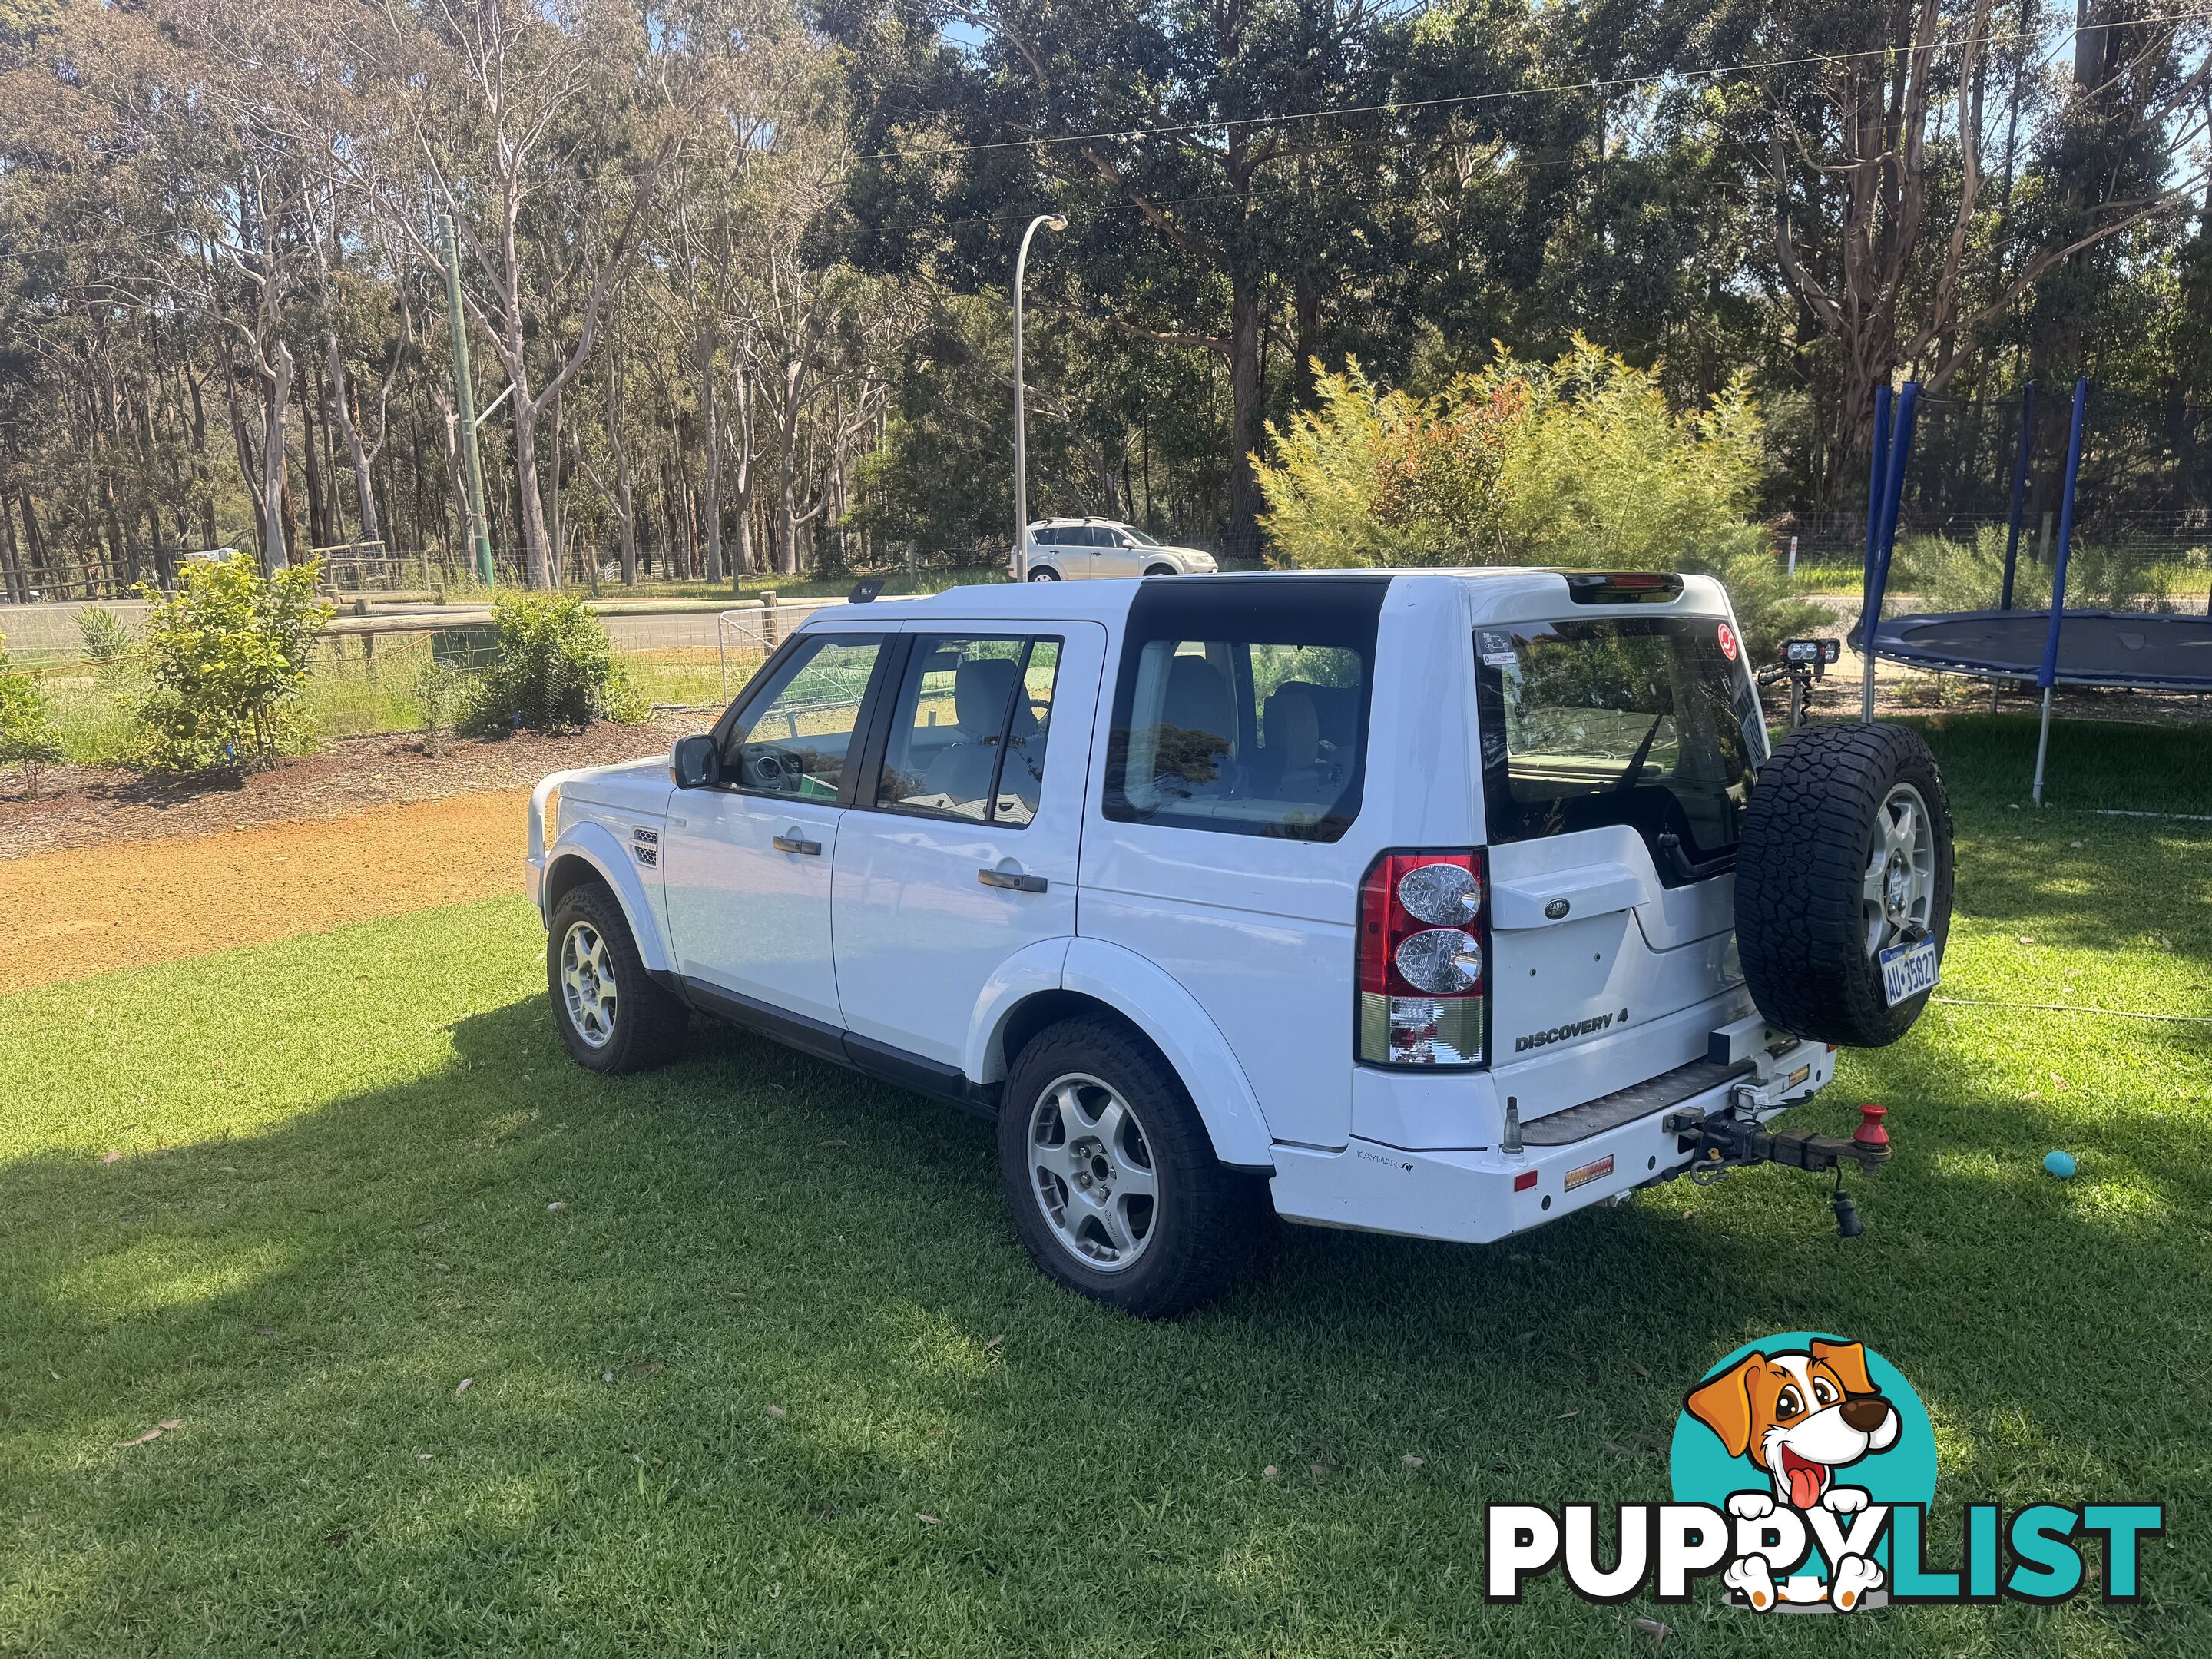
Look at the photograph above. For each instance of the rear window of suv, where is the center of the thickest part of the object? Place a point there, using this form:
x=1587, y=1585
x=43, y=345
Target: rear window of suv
x=1646, y=722
x=1241, y=705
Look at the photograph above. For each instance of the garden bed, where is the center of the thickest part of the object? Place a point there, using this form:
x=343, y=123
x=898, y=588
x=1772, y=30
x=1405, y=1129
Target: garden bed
x=84, y=806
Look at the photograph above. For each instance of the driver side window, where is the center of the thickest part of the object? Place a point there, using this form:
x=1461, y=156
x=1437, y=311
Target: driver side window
x=793, y=738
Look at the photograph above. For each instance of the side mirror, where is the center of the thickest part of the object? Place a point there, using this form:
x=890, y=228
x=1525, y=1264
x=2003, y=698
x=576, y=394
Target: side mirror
x=691, y=764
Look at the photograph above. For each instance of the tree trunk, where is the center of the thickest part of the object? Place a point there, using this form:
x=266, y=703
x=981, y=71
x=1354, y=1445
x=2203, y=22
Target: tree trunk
x=342, y=418
x=11, y=564
x=276, y=392
x=537, y=564
x=1242, y=538
x=741, y=483
x=710, y=505
x=321, y=532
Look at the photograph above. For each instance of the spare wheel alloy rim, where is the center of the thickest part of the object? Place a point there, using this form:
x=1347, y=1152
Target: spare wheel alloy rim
x=587, y=984
x=1898, y=896
x=1092, y=1173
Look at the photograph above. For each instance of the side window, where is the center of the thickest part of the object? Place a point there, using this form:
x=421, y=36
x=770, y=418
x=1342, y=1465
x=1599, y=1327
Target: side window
x=793, y=737
x=969, y=727
x=1245, y=712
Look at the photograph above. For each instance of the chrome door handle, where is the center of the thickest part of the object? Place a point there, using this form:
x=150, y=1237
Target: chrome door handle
x=1010, y=880
x=794, y=844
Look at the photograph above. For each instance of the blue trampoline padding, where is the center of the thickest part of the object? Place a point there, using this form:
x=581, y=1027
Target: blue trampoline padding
x=2149, y=650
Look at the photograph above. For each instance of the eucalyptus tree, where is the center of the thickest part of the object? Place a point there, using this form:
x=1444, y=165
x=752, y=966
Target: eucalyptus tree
x=522, y=122
x=1180, y=138
x=1875, y=137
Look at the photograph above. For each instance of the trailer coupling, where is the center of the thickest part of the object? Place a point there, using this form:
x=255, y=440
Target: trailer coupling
x=1724, y=1141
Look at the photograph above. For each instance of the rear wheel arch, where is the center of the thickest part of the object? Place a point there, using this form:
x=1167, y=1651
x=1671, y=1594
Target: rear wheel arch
x=1035, y=1014
x=1099, y=977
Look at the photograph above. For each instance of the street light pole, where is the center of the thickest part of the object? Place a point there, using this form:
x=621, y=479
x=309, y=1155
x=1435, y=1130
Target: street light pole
x=464, y=405
x=1021, y=448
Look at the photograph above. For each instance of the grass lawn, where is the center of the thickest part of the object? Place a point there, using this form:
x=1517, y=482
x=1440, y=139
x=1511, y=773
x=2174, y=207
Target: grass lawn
x=781, y=1317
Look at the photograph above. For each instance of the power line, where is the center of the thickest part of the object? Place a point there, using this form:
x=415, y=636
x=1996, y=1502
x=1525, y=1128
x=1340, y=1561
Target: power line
x=1554, y=89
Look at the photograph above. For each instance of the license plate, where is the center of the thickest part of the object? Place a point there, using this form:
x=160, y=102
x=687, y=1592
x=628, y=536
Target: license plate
x=1908, y=970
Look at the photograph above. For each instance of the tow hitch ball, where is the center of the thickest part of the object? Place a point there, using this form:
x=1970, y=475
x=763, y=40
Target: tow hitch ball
x=1720, y=1142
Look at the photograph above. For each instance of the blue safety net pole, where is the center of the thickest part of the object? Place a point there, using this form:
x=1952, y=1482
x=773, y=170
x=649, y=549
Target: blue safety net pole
x=2048, y=676
x=1882, y=537
x=1877, y=477
x=2019, y=490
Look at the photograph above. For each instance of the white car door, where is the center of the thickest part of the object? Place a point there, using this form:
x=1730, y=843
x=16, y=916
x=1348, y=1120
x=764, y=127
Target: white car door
x=1072, y=551
x=966, y=847
x=1120, y=556
x=746, y=862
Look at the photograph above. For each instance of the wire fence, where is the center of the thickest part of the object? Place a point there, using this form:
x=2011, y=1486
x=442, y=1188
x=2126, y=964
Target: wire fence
x=1984, y=487
x=412, y=673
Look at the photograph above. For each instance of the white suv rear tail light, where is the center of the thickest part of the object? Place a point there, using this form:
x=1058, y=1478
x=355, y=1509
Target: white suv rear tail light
x=1424, y=959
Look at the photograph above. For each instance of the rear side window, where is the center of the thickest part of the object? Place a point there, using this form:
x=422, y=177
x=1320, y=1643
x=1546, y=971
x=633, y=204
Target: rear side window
x=1648, y=722
x=1241, y=705
x=970, y=728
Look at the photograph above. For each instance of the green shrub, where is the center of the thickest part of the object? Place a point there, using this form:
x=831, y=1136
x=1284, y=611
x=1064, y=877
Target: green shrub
x=1578, y=464
x=225, y=659
x=28, y=737
x=442, y=691
x=106, y=641
x=1934, y=573
x=552, y=669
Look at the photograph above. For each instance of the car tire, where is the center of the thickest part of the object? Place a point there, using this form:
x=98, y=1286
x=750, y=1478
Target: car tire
x=588, y=947
x=1829, y=873
x=1044, y=573
x=1163, y=570
x=1195, y=1232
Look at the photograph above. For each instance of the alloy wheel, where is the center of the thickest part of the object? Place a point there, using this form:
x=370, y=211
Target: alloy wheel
x=1092, y=1173
x=1899, y=891
x=587, y=984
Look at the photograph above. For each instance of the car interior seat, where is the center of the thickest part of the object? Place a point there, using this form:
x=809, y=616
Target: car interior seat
x=1198, y=729
x=982, y=687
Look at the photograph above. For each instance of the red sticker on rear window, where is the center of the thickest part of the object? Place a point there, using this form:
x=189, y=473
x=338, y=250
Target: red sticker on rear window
x=1727, y=641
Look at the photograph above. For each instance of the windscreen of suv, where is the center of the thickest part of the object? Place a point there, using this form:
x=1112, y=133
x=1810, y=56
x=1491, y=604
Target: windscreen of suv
x=1241, y=705
x=1644, y=721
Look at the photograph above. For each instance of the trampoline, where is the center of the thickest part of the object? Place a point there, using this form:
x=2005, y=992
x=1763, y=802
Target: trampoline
x=2138, y=650
x=2147, y=651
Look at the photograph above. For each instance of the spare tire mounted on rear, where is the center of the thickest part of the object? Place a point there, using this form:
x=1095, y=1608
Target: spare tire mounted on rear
x=1845, y=851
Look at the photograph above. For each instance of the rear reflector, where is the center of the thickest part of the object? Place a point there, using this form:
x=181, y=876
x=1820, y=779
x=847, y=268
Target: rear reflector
x=1524, y=1180
x=1590, y=1172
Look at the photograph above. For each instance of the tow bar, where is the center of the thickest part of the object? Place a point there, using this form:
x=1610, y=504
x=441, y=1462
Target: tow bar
x=1722, y=1142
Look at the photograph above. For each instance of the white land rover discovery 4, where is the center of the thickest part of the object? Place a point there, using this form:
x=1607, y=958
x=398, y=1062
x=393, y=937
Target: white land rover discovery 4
x=1432, y=903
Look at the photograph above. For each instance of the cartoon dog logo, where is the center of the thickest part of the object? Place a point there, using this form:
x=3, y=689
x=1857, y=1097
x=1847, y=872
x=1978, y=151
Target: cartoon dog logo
x=1799, y=1417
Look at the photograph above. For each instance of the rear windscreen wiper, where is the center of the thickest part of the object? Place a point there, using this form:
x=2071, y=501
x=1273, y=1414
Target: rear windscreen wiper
x=1627, y=779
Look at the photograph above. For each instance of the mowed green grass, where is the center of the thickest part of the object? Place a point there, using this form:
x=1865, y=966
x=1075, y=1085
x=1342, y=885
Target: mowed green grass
x=781, y=1318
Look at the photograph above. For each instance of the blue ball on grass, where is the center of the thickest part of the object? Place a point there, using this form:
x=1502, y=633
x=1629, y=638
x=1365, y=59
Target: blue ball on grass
x=2060, y=1164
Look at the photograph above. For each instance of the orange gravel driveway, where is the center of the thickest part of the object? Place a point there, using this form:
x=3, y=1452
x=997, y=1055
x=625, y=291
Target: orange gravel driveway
x=127, y=904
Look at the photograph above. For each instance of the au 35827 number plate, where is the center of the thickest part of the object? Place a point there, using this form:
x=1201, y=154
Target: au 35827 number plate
x=1908, y=970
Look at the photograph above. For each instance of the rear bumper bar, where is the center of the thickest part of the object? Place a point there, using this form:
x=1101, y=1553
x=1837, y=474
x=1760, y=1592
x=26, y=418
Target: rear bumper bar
x=1479, y=1196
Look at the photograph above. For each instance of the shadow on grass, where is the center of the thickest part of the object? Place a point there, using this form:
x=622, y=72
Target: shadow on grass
x=779, y=1318
x=2071, y=875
